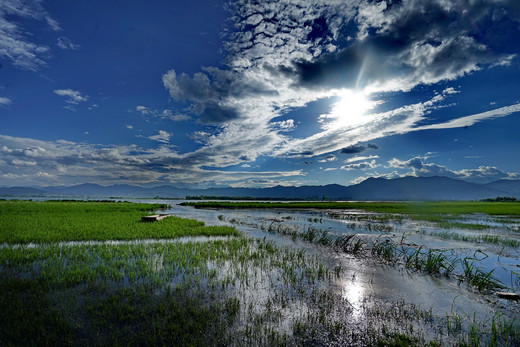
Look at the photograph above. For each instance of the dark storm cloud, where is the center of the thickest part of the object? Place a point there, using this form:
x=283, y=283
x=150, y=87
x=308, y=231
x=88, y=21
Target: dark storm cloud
x=353, y=149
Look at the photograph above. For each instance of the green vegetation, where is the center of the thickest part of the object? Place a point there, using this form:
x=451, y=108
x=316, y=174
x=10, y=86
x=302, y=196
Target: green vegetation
x=495, y=239
x=161, y=293
x=237, y=291
x=54, y=221
x=227, y=291
x=501, y=199
x=246, y=198
x=429, y=261
x=409, y=208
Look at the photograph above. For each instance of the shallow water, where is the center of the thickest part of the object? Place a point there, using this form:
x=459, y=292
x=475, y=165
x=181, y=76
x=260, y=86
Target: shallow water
x=363, y=278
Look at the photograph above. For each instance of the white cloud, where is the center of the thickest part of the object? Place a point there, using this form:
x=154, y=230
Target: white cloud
x=74, y=97
x=279, y=58
x=330, y=157
x=359, y=158
x=162, y=136
x=179, y=117
x=286, y=125
x=142, y=109
x=4, y=101
x=366, y=165
x=470, y=120
x=18, y=162
x=390, y=175
x=421, y=169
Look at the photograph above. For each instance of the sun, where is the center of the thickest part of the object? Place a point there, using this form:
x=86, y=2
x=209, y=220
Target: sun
x=350, y=111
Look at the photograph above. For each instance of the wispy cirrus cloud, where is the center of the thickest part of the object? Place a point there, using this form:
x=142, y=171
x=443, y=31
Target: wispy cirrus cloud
x=360, y=158
x=163, y=114
x=16, y=45
x=66, y=44
x=328, y=158
x=74, y=97
x=467, y=121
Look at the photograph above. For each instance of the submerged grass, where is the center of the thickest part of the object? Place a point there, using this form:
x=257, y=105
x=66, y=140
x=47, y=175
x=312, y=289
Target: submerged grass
x=430, y=261
x=237, y=291
x=488, y=238
x=54, y=221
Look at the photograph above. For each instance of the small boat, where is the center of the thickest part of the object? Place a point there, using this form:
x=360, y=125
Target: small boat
x=155, y=217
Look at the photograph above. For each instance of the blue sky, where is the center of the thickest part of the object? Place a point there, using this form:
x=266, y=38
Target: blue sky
x=289, y=92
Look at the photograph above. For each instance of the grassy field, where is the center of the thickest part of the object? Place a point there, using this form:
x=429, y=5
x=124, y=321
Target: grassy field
x=231, y=291
x=55, y=221
x=416, y=208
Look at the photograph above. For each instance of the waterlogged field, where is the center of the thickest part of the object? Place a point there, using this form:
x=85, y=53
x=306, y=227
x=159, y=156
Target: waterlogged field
x=289, y=277
x=455, y=237
x=456, y=258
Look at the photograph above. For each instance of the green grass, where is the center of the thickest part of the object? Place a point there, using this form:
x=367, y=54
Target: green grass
x=418, y=208
x=495, y=239
x=231, y=291
x=54, y=221
x=153, y=294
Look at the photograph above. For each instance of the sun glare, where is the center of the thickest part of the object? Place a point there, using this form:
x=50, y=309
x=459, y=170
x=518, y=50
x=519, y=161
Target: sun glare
x=350, y=110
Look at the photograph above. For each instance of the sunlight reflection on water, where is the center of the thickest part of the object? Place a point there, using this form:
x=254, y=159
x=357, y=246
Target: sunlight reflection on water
x=354, y=292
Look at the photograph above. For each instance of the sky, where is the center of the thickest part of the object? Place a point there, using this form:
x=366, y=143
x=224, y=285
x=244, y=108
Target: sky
x=209, y=93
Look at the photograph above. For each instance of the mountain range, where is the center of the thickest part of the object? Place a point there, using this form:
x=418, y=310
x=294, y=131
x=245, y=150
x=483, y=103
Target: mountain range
x=405, y=188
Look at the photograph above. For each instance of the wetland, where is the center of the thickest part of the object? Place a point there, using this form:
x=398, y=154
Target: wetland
x=263, y=274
